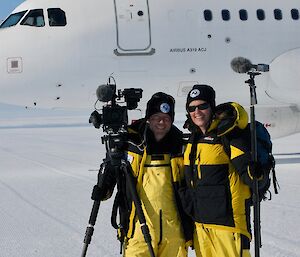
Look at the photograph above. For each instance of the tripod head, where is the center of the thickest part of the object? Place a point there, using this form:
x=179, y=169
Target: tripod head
x=114, y=145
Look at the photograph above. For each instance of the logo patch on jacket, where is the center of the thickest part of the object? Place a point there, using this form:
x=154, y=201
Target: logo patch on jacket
x=209, y=138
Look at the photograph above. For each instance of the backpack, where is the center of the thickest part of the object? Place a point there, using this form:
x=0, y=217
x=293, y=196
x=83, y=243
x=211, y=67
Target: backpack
x=265, y=160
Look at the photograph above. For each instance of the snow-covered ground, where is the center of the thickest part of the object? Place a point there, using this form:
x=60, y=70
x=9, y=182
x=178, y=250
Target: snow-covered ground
x=46, y=177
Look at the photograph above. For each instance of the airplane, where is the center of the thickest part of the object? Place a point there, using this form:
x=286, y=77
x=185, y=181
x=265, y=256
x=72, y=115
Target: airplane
x=55, y=53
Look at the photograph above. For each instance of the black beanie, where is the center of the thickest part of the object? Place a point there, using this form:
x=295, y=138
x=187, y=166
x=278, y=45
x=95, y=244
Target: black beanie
x=202, y=92
x=161, y=102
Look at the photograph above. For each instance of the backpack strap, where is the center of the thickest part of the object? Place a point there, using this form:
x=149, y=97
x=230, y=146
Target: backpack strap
x=275, y=181
x=226, y=145
x=114, y=211
x=120, y=228
x=192, y=176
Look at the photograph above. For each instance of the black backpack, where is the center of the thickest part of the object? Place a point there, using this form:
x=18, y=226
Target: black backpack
x=265, y=160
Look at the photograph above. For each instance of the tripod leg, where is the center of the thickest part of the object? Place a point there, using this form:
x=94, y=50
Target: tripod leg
x=137, y=202
x=92, y=221
x=90, y=228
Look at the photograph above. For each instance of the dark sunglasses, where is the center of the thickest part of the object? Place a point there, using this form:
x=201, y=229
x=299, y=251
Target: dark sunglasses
x=193, y=108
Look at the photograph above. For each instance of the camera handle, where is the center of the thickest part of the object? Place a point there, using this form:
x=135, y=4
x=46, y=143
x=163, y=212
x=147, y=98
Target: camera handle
x=255, y=197
x=126, y=168
x=93, y=217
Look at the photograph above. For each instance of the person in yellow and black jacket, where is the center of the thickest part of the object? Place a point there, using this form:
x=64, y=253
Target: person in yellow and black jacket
x=155, y=152
x=218, y=192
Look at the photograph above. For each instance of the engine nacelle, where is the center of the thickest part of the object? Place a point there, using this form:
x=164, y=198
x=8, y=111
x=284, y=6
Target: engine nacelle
x=284, y=78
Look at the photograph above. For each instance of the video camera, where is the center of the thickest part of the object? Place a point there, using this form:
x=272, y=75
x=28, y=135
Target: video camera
x=114, y=117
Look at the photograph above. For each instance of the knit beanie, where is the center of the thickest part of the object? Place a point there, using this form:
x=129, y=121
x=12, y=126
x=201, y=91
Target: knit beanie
x=161, y=102
x=202, y=92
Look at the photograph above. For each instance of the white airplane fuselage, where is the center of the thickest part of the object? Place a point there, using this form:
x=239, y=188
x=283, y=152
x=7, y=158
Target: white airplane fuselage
x=157, y=46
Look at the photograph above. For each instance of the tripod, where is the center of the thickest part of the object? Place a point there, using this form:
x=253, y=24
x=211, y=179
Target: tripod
x=114, y=158
x=255, y=195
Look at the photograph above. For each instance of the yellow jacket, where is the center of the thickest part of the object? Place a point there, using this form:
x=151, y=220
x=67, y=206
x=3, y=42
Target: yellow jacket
x=217, y=195
x=159, y=171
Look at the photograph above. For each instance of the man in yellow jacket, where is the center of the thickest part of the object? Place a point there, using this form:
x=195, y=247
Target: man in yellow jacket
x=155, y=153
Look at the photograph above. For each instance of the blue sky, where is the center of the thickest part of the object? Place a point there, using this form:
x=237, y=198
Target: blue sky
x=6, y=6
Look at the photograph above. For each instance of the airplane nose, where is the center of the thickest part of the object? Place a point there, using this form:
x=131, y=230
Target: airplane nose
x=284, y=83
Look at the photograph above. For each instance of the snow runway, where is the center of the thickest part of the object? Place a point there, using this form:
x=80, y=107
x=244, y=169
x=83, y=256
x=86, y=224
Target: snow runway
x=46, y=178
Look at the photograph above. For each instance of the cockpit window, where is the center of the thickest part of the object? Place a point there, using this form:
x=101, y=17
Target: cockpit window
x=57, y=17
x=13, y=19
x=34, y=18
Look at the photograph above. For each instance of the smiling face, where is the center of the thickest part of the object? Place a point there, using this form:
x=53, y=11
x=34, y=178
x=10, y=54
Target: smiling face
x=200, y=113
x=160, y=124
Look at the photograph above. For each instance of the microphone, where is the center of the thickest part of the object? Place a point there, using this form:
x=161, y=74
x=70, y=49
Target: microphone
x=105, y=92
x=243, y=65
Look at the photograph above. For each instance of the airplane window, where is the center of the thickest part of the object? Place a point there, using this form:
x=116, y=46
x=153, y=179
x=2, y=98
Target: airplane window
x=243, y=14
x=225, y=15
x=57, y=17
x=260, y=14
x=34, y=18
x=12, y=20
x=207, y=15
x=295, y=14
x=277, y=14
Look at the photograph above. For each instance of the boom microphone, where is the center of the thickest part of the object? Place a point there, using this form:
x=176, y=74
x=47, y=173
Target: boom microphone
x=243, y=65
x=105, y=92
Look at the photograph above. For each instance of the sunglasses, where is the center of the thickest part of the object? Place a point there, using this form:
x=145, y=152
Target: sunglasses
x=193, y=108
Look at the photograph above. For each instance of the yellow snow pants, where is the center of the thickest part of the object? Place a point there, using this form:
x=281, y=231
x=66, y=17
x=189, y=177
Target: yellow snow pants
x=162, y=218
x=210, y=242
x=171, y=244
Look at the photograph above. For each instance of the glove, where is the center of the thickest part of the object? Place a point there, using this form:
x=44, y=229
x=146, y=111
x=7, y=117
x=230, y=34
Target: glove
x=98, y=194
x=255, y=170
x=105, y=186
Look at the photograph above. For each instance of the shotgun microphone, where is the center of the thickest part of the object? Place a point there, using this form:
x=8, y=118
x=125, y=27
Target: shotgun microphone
x=243, y=65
